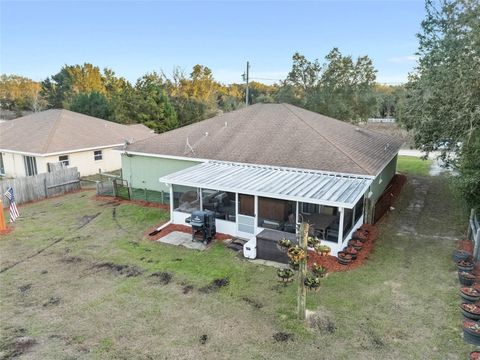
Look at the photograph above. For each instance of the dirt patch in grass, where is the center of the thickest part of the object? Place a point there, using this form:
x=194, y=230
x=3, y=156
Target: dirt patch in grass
x=321, y=320
x=86, y=219
x=187, y=289
x=203, y=339
x=163, y=278
x=71, y=259
x=15, y=343
x=215, y=285
x=283, y=336
x=24, y=288
x=119, y=269
x=252, y=302
x=52, y=301
x=108, y=200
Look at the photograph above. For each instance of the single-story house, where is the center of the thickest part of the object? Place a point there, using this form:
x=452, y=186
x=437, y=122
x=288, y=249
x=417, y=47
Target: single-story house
x=268, y=166
x=33, y=144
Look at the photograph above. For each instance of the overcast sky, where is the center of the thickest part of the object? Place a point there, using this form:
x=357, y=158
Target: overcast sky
x=134, y=37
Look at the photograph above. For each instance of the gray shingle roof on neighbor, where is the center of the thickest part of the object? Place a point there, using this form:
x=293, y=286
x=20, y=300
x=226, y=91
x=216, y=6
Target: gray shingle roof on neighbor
x=58, y=130
x=278, y=135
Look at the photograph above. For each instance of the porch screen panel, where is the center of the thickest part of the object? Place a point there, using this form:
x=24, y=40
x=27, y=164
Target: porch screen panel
x=222, y=203
x=246, y=205
x=276, y=214
x=186, y=199
x=358, y=209
x=347, y=222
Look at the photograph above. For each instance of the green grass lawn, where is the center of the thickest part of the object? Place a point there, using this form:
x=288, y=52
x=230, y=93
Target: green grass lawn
x=413, y=165
x=402, y=304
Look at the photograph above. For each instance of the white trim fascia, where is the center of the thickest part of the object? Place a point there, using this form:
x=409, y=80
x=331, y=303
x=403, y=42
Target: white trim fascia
x=272, y=196
x=126, y=152
x=66, y=152
x=332, y=173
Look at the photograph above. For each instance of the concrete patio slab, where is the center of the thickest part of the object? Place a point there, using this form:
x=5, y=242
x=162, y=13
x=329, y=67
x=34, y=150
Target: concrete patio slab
x=179, y=238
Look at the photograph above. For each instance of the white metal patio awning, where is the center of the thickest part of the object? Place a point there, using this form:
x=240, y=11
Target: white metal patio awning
x=281, y=183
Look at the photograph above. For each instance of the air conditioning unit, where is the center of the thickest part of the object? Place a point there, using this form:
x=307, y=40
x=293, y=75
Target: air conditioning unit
x=250, y=248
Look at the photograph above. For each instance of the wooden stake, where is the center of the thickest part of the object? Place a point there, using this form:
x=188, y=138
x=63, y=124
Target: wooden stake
x=302, y=272
x=3, y=225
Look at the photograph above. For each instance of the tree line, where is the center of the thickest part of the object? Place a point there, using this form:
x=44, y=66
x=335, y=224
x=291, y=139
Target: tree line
x=441, y=107
x=341, y=87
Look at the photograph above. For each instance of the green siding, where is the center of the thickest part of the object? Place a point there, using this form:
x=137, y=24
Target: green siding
x=381, y=181
x=143, y=172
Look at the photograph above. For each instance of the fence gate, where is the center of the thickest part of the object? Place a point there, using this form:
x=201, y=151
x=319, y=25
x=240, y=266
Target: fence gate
x=105, y=188
x=120, y=188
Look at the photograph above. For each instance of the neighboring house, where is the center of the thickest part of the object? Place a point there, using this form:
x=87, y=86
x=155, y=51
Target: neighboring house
x=268, y=166
x=34, y=143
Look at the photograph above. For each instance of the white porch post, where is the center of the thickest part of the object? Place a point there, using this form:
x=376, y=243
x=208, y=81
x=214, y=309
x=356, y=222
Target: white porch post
x=171, y=201
x=340, y=226
x=200, y=198
x=297, y=207
x=255, y=210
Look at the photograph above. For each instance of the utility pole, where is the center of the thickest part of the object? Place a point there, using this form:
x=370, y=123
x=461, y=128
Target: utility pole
x=302, y=272
x=246, y=78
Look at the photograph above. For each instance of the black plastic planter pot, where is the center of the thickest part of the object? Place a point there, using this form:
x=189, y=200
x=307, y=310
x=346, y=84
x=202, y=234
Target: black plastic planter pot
x=465, y=268
x=460, y=255
x=470, y=315
x=469, y=298
x=467, y=281
x=471, y=336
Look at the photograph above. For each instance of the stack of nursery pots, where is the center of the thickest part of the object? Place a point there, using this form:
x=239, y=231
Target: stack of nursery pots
x=355, y=245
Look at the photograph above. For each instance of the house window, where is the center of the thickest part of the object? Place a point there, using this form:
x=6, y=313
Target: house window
x=63, y=159
x=222, y=203
x=30, y=165
x=2, y=168
x=97, y=155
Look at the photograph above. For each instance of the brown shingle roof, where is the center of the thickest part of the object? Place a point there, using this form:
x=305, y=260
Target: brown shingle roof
x=278, y=135
x=59, y=130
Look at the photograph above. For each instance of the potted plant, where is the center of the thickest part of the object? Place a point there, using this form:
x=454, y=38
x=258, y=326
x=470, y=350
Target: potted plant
x=312, y=241
x=470, y=294
x=312, y=282
x=465, y=265
x=351, y=251
x=286, y=274
x=471, y=332
x=356, y=244
x=460, y=255
x=323, y=250
x=475, y=355
x=284, y=244
x=471, y=311
x=319, y=270
x=466, y=278
x=294, y=264
x=296, y=253
x=344, y=258
x=360, y=235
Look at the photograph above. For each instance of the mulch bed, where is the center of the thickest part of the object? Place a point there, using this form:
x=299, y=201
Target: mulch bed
x=182, y=228
x=331, y=263
x=113, y=200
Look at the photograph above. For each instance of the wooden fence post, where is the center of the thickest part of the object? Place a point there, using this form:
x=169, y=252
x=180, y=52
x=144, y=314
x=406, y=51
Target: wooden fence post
x=302, y=273
x=45, y=187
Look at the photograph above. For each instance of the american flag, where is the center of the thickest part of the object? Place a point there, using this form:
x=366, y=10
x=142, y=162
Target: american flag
x=13, y=207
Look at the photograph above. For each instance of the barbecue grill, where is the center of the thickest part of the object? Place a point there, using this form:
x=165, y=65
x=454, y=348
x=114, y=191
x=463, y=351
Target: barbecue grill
x=202, y=222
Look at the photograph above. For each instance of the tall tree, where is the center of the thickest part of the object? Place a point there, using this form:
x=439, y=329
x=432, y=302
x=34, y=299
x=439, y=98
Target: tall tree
x=18, y=93
x=341, y=87
x=93, y=104
x=442, y=103
x=72, y=80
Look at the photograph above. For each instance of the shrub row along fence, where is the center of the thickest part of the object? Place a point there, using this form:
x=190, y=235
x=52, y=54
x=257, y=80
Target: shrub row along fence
x=41, y=186
x=473, y=233
x=120, y=189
